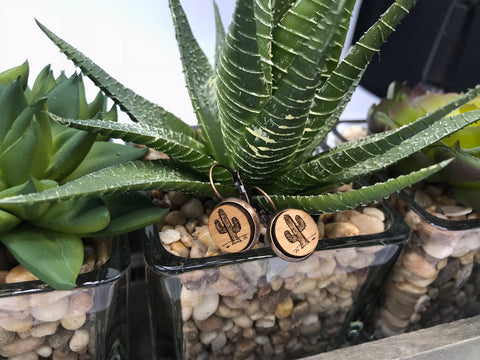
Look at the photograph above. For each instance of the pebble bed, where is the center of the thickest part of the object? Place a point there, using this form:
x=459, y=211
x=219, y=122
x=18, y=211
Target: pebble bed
x=436, y=278
x=49, y=325
x=269, y=308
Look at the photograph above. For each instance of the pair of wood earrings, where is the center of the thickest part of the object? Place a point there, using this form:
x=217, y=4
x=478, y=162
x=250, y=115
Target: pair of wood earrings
x=234, y=225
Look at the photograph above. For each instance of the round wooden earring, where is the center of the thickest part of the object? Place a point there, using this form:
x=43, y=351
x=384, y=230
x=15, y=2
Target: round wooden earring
x=234, y=224
x=293, y=234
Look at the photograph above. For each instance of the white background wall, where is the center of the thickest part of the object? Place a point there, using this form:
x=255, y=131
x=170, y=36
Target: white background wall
x=133, y=40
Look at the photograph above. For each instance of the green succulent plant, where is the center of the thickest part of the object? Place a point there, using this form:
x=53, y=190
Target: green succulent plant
x=277, y=87
x=37, y=153
x=402, y=106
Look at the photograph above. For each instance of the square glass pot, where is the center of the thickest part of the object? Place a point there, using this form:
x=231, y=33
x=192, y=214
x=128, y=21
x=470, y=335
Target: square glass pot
x=256, y=305
x=87, y=322
x=437, y=276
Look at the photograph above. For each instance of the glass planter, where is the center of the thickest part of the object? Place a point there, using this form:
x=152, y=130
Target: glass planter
x=256, y=305
x=88, y=322
x=436, y=278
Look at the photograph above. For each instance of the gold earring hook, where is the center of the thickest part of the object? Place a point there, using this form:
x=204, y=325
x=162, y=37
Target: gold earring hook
x=266, y=196
x=237, y=181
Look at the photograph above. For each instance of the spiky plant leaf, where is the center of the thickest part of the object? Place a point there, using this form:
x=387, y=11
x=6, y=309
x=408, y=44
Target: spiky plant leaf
x=330, y=203
x=137, y=107
x=220, y=33
x=351, y=161
x=269, y=142
x=335, y=94
x=200, y=80
x=131, y=176
x=176, y=145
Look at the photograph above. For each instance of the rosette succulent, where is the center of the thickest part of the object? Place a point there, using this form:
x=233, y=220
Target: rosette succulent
x=277, y=86
x=404, y=105
x=37, y=153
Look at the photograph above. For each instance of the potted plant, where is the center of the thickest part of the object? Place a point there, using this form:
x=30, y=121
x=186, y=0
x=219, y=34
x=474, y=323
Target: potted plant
x=436, y=278
x=277, y=88
x=47, y=308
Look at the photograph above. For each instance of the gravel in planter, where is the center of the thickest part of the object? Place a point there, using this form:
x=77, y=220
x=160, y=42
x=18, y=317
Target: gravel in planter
x=265, y=308
x=437, y=278
x=51, y=325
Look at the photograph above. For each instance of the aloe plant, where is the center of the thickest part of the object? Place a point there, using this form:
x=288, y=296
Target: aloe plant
x=276, y=89
x=37, y=153
x=404, y=105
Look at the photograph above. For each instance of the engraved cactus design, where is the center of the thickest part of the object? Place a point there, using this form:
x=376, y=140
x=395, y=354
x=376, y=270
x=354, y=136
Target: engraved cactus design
x=227, y=226
x=296, y=227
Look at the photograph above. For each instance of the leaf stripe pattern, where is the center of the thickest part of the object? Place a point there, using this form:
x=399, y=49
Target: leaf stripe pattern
x=348, y=162
x=329, y=203
x=334, y=95
x=265, y=148
x=130, y=176
x=177, y=146
x=200, y=80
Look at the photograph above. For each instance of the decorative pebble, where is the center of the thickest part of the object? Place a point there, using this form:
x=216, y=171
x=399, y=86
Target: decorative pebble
x=79, y=340
x=169, y=236
x=455, y=210
x=51, y=312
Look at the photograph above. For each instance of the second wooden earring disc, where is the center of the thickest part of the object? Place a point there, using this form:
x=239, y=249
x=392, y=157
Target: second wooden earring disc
x=293, y=234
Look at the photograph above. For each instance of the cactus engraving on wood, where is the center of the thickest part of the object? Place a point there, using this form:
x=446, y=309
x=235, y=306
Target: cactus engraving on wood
x=296, y=228
x=226, y=226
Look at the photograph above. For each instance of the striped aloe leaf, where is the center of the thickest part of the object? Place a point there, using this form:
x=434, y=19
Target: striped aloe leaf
x=275, y=90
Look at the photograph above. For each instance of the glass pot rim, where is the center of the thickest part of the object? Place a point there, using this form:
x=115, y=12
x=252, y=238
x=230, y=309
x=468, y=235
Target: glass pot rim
x=161, y=260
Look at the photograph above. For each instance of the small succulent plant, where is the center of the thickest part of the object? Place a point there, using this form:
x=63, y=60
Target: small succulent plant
x=276, y=89
x=402, y=106
x=37, y=153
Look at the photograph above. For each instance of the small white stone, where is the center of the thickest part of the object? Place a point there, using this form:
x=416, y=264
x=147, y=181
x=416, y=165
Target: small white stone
x=169, y=236
x=455, y=210
x=73, y=322
x=79, y=340
x=44, y=351
x=206, y=307
x=52, y=312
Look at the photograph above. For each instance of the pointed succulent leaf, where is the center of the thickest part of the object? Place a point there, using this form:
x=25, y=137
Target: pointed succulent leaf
x=8, y=221
x=26, y=148
x=78, y=216
x=31, y=186
x=15, y=72
x=12, y=103
x=64, y=99
x=220, y=33
x=200, y=80
x=329, y=203
x=138, y=108
x=129, y=212
x=350, y=161
x=280, y=8
x=131, y=176
x=104, y=154
x=242, y=89
x=44, y=82
x=97, y=106
x=55, y=258
x=176, y=145
x=334, y=95
x=70, y=147
x=269, y=144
